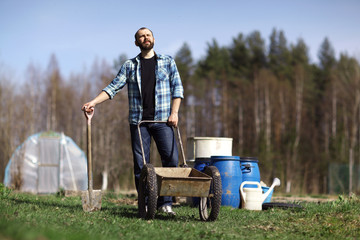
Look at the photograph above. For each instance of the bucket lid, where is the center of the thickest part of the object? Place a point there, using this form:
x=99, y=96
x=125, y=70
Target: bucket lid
x=225, y=158
x=249, y=159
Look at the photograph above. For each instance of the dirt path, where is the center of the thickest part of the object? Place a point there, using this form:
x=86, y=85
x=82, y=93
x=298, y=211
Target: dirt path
x=302, y=199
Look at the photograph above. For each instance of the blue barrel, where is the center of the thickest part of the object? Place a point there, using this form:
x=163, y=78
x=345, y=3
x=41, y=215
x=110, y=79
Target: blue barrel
x=200, y=164
x=231, y=179
x=250, y=170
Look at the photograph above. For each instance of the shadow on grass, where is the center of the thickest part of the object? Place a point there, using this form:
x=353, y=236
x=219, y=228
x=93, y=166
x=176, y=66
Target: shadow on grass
x=121, y=211
x=126, y=211
x=131, y=212
x=46, y=203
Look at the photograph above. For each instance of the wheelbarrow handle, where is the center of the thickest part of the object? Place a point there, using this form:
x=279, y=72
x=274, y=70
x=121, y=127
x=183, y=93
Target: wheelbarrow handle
x=179, y=139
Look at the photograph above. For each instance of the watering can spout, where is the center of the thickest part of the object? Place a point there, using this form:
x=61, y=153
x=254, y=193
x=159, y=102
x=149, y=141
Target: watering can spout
x=275, y=183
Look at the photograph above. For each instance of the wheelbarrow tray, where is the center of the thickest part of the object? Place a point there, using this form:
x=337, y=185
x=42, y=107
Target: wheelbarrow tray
x=182, y=182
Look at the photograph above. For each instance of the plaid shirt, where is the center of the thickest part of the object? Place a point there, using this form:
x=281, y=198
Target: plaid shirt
x=168, y=85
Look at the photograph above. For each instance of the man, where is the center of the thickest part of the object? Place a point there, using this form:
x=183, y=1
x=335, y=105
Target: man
x=155, y=92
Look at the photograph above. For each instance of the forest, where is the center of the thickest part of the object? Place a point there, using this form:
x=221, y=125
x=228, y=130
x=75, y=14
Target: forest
x=301, y=119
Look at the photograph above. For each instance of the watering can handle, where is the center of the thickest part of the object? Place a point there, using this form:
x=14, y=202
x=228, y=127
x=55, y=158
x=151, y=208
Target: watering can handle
x=275, y=183
x=242, y=186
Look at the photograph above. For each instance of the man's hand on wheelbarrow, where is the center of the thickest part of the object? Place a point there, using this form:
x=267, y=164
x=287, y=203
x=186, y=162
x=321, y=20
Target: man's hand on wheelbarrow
x=173, y=120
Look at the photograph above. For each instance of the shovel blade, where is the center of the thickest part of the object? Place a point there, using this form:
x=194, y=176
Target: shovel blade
x=91, y=202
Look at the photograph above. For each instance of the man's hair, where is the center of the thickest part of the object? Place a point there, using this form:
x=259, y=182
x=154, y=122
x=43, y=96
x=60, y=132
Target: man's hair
x=142, y=29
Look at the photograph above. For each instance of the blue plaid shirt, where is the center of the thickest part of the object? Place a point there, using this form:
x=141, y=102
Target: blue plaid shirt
x=168, y=85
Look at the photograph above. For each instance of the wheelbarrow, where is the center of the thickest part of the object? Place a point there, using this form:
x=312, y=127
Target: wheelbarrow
x=179, y=182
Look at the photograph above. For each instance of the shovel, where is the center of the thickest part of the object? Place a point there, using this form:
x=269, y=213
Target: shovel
x=91, y=199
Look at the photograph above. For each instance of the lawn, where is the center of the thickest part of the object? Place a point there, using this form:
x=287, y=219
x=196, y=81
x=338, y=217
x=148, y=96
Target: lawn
x=25, y=216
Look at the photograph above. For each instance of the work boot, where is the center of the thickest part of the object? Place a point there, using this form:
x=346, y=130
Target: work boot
x=167, y=209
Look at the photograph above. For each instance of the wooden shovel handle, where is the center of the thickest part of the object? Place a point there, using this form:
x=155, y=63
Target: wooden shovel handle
x=88, y=116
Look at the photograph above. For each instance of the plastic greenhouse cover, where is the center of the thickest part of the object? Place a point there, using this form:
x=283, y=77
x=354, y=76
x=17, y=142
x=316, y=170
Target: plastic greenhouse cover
x=47, y=162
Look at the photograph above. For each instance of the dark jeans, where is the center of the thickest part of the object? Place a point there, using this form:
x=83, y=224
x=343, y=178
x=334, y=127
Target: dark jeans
x=164, y=138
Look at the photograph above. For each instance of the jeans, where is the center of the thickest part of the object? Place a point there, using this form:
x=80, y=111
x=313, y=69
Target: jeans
x=164, y=138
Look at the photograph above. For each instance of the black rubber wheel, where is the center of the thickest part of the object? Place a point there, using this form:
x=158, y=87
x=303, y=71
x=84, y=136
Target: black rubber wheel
x=270, y=205
x=211, y=203
x=147, y=193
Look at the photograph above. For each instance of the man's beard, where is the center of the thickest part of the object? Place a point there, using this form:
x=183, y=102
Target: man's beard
x=146, y=47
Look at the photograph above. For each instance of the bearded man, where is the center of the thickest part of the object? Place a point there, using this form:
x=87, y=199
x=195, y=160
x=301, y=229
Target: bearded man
x=155, y=92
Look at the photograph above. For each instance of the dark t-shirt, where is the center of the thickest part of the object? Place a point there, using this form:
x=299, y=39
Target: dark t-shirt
x=148, y=87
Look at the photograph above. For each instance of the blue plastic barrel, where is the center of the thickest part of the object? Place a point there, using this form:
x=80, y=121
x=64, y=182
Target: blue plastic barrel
x=200, y=164
x=231, y=179
x=250, y=170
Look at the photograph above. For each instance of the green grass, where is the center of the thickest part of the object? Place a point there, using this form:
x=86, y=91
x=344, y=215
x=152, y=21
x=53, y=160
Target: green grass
x=24, y=216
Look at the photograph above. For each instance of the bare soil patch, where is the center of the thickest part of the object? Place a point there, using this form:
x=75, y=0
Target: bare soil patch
x=303, y=199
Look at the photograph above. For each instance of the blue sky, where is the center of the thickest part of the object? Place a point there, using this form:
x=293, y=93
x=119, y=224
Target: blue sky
x=79, y=31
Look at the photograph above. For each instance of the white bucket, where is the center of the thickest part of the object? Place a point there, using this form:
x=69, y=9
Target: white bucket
x=205, y=147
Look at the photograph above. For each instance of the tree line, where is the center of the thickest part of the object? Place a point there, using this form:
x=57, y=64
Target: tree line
x=299, y=118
